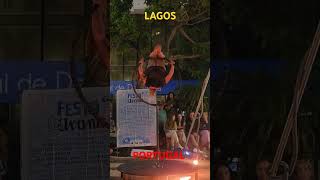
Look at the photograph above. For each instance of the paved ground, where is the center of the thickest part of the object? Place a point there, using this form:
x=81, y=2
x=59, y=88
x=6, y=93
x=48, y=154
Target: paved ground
x=204, y=167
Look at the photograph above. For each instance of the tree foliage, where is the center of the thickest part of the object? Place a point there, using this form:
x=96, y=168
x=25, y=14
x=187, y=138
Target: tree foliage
x=279, y=29
x=187, y=38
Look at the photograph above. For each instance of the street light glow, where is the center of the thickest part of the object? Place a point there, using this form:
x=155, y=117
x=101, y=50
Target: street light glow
x=195, y=162
x=185, y=178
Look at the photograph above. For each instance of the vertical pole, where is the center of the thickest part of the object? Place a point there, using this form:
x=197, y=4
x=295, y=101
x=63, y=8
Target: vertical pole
x=42, y=31
x=158, y=131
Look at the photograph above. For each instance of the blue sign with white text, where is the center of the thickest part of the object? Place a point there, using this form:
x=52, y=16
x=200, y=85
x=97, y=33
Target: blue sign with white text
x=18, y=76
x=171, y=86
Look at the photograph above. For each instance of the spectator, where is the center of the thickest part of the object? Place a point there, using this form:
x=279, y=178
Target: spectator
x=188, y=122
x=193, y=141
x=171, y=103
x=262, y=169
x=180, y=129
x=171, y=131
x=222, y=172
x=194, y=137
x=303, y=171
x=204, y=132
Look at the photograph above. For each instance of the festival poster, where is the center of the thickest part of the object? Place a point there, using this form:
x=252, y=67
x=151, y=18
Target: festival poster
x=136, y=120
x=60, y=139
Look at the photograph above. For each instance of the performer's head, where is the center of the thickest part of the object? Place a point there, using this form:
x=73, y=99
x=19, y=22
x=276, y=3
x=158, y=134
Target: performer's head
x=157, y=52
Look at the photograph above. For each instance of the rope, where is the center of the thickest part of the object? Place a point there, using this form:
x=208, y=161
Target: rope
x=138, y=95
x=303, y=76
x=78, y=87
x=203, y=89
x=292, y=115
x=199, y=119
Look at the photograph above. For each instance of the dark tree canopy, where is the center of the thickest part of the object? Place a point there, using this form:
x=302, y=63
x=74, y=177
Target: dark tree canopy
x=269, y=29
x=187, y=38
x=261, y=30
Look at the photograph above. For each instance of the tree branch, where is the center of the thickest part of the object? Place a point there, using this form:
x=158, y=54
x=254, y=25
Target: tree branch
x=198, y=15
x=172, y=35
x=193, y=17
x=197, y=22
x=186, y=35
x=179, y=56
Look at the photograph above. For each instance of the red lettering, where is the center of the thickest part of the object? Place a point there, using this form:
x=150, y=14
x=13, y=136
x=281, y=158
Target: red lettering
x=166, y=155
x=175, y=155
x=158, y=155
x=181, y=155
x=155, y=155
x=170, y=155
x=149, y=155
x=135, y=155
x=142, y=156
x=162, y=155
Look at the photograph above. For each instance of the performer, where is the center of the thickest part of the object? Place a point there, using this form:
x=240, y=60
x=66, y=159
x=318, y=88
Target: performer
x=97, y=46
x=96, y=39
x=155, y=76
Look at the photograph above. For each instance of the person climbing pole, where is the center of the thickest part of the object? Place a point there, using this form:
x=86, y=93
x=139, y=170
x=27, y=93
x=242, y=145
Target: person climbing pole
x=97, y=46
x=155, y=76
x=96, y=36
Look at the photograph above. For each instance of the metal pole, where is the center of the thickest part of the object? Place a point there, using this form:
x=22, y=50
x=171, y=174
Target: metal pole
x=158, y=134
x=158, y=131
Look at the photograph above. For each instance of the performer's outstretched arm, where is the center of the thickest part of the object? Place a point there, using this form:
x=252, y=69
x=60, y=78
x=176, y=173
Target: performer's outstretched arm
x=171, y=72
x=98, y=30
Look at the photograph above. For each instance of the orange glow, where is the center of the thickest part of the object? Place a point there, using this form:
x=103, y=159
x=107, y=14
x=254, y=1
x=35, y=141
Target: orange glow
x=195, y=162
x=185, y=178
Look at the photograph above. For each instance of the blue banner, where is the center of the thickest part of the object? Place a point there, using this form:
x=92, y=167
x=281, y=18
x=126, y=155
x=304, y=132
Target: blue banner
x=18, y=76
x=171, y=86
x=269, y=67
